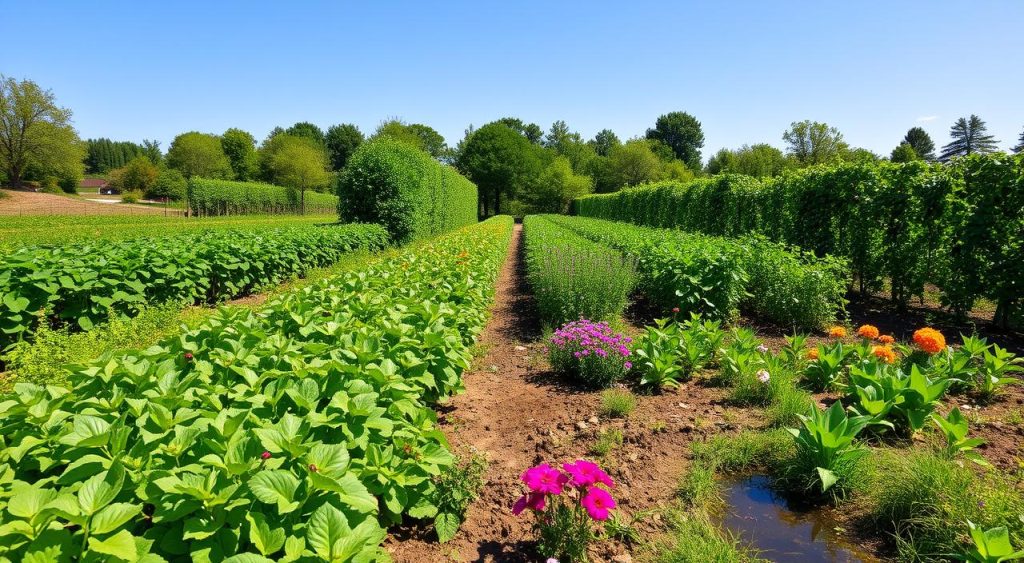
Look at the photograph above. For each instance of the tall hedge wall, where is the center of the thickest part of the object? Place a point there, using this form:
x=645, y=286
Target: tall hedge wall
x=959, y=226
x=401, y=187
x=223, y=197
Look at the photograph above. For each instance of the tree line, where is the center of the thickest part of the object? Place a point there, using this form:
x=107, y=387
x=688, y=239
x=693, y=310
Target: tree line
x=518, y=166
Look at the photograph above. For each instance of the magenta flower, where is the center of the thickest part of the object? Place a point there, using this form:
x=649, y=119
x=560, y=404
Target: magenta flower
x=675, y=309
x=533, y=501
x=585, y=473
x=188, y=356
x=598, y=502
x=544, y=479
x=628, y=365
x=265, y=455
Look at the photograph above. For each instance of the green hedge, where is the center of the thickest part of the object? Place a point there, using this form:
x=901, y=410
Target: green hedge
x=957, y=226
x=401, y=187
x=224, y=197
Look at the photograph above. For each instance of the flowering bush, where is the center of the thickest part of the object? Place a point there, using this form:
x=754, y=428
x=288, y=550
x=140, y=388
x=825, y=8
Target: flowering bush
x=930, y=340
x=567, y=503
x=591, y=353
x=886, y=339
x=868, y=331
x=885, y=354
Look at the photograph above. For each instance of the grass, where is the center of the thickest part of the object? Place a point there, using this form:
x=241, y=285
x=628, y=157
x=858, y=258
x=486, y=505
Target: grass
x=694, y=538
x=617, y=403
x=607, y=441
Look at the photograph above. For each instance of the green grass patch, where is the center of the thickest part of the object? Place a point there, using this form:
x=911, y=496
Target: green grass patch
x=617, y=403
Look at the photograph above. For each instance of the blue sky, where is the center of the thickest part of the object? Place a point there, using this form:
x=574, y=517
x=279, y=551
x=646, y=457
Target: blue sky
x=139, y=70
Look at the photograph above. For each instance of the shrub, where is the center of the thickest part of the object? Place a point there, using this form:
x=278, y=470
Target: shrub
x=223, y=197
x=590, y=353
x=399, y=186
x=573, y=277
x=131, y=197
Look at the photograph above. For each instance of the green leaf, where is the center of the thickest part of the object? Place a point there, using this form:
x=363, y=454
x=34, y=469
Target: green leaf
x=828, y=478
x=266, y=539
x=120, y=545
x=28, y=501
x=276, y=487
x=100, y=490
x=113, y=517
x=447, y=525
x=326, y=528
x=247, y=558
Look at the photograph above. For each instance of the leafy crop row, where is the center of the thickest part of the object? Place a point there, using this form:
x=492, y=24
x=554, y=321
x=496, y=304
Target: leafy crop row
x=573, y=277
x=83, y=284
x=957, y=226
x=718, y=276
x=403, y=188
x=293, y=433
x=224, y=197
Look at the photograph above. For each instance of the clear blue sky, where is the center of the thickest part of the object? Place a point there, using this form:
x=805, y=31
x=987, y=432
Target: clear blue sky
x=135, y=70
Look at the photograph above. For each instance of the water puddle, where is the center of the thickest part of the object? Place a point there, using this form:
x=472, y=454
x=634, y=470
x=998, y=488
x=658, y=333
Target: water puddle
x=768, y=523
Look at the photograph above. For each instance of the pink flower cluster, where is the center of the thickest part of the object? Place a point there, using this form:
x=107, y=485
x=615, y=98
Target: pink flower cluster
x=583, y=476
x=590, y=338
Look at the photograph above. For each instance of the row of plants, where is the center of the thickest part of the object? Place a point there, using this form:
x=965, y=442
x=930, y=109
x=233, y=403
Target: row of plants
x=295, y=433
x=718, y=277
x=29, y=230
x=208, y=198
x=574, y=277
x=81, y=285
x=957, y=226
x=397, y=185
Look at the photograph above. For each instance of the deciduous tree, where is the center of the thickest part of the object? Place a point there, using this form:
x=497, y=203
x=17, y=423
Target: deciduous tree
x=421, y=136
x=36, y=134
x=342, y=140
x=139, y=175
x=299, y=163
x=604, y=141
x=240, y=148
x=969, y=137
x=500, y=161
x=199, y=154
x=555, y=188
x=683, y=134
x=904, y=153
x=810, y=142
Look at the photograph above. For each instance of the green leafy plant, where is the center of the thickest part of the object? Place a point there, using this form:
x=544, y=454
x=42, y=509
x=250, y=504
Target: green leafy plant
x=993, y=374
x=885, y=392
x=456, y=488
x=210, y=198
x=825, y=447
x=659, y=358
x=826, y=371
x=990, y=546
x=617, y=403
x=954, y=427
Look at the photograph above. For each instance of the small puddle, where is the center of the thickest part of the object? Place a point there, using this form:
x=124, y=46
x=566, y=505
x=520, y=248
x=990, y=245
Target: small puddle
x=768, y=523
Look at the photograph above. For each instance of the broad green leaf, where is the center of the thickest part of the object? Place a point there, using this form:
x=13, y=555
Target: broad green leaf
x=276, y=487
x=326, y=528
x=100, y=490
x=266, y=539
x=113, y=516
x=447, y=525
x=120, y=545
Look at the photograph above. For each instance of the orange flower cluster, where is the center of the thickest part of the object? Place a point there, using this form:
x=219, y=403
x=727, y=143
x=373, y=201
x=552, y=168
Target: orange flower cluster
x=886, y=339
x=884, y=353
x=930, y=340
x=837, y=332
x=812, y=354
x=868, y=331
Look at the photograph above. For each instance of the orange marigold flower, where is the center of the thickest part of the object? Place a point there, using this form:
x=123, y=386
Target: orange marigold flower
x=868, y=331
x=812, y=354
x=930, y=340
x=886, y=339
x=837, y=332
x=884, y=353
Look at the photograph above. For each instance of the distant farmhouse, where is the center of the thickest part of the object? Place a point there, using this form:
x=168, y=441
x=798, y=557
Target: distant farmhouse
x=101, y=185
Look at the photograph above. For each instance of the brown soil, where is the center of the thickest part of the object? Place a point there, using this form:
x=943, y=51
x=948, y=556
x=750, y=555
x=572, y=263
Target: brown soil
x=37, y=203
x=518, y=413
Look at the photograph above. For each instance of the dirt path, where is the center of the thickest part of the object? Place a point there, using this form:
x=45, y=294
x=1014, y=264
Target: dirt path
x=37, y=203
x=519, y=414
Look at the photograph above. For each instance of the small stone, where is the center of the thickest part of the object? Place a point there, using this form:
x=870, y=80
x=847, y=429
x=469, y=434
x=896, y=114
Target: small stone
x=633, y=457
x=594, y=420
x=520, y=348
x=581, y=425
x=622, y=558
x=684, y=406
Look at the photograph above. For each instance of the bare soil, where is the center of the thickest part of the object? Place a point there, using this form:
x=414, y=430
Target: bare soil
x=37, y=203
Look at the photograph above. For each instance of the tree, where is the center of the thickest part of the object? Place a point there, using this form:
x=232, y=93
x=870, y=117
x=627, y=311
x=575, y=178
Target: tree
x=531, y=131
x=604, y=142
x=634, y=163
x=810, y=142
x=198, y=154
x=683, y=134
x=36, y=134
x=968, y=138
x=500, y=161
x=342, y=140
x=306, y=130
x=240, y=148
x=904, y=153
x=139, y=175
x=298, y=163
x=860, y=155
x=921, y=142
x=418, y=135
x=761, y=161
x=1020, y=144
x=170, y=184
x=555, y=188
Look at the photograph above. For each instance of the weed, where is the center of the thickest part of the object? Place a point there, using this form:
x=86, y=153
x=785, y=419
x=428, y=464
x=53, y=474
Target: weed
x=617, y=403
x=606, y=442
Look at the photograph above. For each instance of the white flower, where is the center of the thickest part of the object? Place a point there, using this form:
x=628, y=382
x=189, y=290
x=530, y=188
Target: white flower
x=763, y=376
x=762, y=349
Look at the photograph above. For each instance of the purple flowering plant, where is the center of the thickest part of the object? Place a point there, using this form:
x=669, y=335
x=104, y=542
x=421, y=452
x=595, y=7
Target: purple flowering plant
x=590, y=353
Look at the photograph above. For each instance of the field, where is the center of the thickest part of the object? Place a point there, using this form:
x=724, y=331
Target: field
x=425, y=387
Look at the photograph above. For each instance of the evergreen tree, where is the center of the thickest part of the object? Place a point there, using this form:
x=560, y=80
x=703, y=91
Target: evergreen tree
x=968, y=138
x=1020, y=144
x=921, y=142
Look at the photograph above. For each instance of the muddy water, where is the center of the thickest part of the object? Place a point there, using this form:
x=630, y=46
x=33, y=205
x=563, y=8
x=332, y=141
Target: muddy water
x=780, y=532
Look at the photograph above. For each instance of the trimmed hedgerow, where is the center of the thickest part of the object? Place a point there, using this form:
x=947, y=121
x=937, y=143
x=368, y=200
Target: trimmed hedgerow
x=403, y=188
x=224, y=197
x=957, y=226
